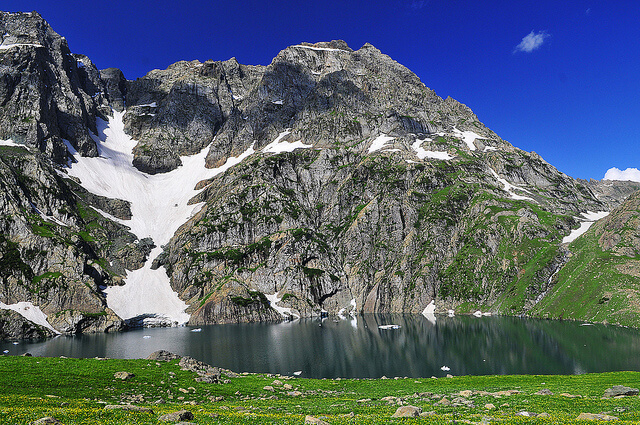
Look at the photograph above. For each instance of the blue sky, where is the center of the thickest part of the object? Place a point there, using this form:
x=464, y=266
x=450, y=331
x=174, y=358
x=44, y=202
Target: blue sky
x=574, y=98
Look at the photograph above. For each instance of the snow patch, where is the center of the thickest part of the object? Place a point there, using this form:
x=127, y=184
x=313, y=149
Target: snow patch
x=468, y=137
x=10, y=46
x=384, y=327
x=490, y=148
x=48, y=217
x=590, y=218
x=10, y=142
x=429, y=312
x=277, y=102
x=29, y=312
x=379, y=142
x=159, y=206
x=278, y=146
x=284, y=311
x=508, y=187
x=300, y=46
x=422, y=154
x=151, y=105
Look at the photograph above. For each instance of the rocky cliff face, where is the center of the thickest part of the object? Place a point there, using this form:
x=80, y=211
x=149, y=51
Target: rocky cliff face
x=361, y=190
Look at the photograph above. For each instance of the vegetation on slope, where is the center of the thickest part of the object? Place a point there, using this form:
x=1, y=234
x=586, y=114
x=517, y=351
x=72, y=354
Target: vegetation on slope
x=75, y=391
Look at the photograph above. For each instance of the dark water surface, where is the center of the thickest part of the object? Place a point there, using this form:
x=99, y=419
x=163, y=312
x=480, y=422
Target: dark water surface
x=358, y=348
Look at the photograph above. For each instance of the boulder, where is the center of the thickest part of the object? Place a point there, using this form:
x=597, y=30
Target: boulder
x=125, y=376
x=310, y=420
x=407, y=412
x=163, y=355
x=596, y=417
x=46, y=421
x=180, y=415
x=620, y=390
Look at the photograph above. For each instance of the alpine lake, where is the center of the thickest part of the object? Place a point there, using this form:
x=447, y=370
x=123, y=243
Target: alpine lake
x=357, y=347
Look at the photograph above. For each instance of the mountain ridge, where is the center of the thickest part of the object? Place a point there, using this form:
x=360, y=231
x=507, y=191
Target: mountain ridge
x=361, y=190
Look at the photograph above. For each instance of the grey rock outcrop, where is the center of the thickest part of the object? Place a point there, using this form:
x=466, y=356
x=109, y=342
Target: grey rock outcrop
x=47, y=93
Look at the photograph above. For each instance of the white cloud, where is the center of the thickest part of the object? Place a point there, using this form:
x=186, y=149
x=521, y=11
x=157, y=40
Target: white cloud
x=532, y=41
x=614, y=173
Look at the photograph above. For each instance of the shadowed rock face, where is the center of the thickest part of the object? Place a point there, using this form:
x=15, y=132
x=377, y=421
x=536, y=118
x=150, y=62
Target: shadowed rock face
x=368, y=217
x=47, y=94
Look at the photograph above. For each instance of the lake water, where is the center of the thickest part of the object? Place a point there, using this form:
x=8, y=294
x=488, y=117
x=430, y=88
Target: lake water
x=359, y=348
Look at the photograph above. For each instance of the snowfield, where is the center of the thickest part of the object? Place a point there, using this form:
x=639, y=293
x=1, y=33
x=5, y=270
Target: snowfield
x=159, y=206
x=29, y=312
x=380, y=142
x=590, y=218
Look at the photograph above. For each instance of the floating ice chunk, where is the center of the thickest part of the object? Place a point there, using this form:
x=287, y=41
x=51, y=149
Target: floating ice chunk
x=389, y=327
x=477, y=313
x=297, y=373
x=451, y=313
x=196, y=330
x=277, y=102
x=445, y=368
x=146, y=337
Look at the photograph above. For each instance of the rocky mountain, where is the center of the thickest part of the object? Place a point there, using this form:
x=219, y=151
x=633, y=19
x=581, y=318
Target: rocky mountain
x=600, y=280
x=329, y=180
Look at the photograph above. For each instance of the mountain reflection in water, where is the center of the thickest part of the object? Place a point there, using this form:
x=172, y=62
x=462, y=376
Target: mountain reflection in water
x=356, y=347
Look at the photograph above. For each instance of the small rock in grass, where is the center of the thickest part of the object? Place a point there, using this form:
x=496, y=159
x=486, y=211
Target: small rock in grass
x=294, y=393
x=489, y=406
x=527, y=414
x=620, y=390
x=444, y=402
x=287, y=387
x=543, y=415
x=268, y=388
x=277, y=382
x=544, y=391
x=181, y=415
x=46, y=421
x=570, y=395
x=123, y=375
x=314, y=421
x=466, y=393
x=407, y=412
x=128, y=407
x=425, y=414
x=596, y=417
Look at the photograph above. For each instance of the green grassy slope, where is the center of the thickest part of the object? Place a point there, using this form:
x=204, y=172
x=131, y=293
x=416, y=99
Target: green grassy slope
x=75, y=391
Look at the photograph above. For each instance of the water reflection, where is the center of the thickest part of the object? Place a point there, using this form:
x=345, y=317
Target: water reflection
x=357, y=347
